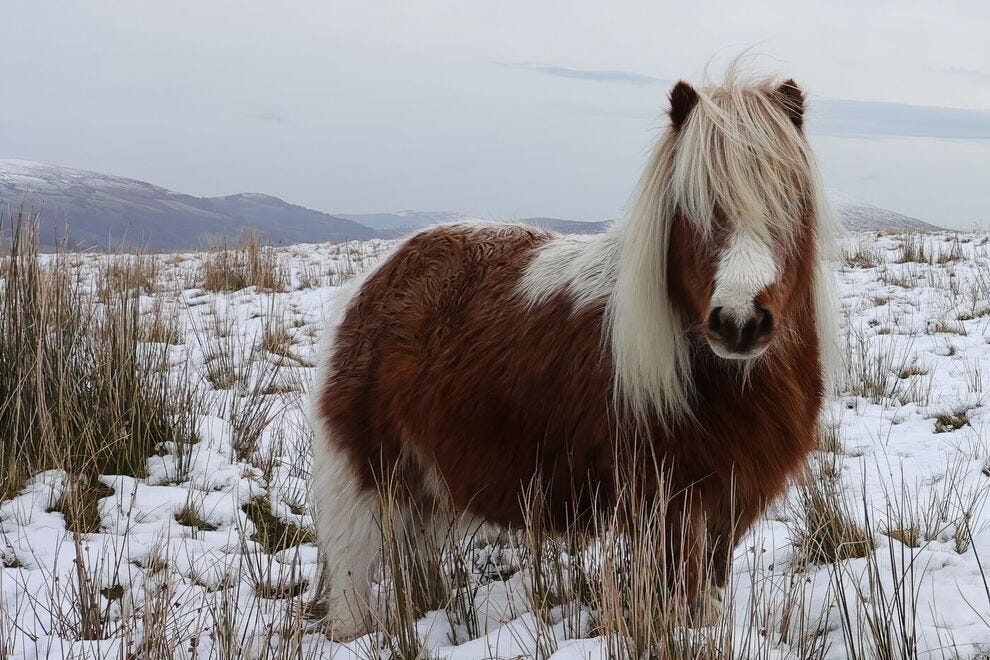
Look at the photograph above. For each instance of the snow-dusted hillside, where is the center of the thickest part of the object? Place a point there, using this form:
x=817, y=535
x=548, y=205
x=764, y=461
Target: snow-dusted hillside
x=91, y=209
x=862, y=216
x=905, y=455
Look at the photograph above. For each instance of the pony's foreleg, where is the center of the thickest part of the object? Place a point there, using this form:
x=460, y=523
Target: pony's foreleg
x=349, y=535
x=697, y=570
x=710, y=601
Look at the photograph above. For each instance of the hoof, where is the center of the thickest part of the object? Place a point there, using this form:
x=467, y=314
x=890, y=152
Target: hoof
x=346, y=628
x=315, y=610
x=708, y=607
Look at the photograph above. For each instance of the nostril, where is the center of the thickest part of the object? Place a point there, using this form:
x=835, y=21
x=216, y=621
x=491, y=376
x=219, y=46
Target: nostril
x=740, y=337
x=715, y=320
x=764, y=321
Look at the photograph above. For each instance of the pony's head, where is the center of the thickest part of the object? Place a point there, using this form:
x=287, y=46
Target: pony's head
x=721, y=249
x=741, y=213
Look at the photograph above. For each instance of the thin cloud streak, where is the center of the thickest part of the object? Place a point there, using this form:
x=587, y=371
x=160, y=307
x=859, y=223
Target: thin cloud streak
x=869, y=118
x=591, y=75
x=838, y=117
x=971, y=74
x=269, y=117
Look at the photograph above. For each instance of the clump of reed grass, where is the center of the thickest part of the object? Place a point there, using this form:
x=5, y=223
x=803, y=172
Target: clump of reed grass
x=79, y=504
x=863, y=255
x=913, y=249
x=79, y=391
x=133, y=273
x=244, y=264
x=823, y=528
x=951, y=421
x=160, y=325
x=273, y=533
x=190, y=516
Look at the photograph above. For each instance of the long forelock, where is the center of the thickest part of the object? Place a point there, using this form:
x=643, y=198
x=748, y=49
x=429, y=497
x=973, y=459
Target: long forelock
x=740, y=153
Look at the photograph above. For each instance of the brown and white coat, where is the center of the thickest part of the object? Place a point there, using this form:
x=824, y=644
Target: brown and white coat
x=483, y=356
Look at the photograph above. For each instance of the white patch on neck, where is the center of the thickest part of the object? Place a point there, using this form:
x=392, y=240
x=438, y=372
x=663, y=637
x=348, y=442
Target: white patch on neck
x=584, y=266
x=746, y=267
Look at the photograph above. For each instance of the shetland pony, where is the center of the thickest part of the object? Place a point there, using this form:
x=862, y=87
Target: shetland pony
x=478, y=357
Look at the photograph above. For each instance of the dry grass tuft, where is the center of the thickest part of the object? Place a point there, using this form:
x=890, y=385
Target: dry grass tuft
x=248, y=263
x=79, y=391
x=271, y=532
x=160, y=326
x=823, y=528
x=951, y=421
x=277, y=340
x=950, y=254
x=135, y=273
x=947, y=327
x=828, y=437
x=913, y=249
x=80, y=504
x=188, y=516
x=864, y=255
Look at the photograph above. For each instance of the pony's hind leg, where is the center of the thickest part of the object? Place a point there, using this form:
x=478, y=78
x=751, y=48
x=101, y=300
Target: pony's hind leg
x=349, y=537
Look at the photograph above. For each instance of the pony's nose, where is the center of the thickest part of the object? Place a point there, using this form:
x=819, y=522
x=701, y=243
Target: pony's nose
x=741, y=338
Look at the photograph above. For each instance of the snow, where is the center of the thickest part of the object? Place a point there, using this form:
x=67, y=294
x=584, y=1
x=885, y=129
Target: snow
x=933, y=317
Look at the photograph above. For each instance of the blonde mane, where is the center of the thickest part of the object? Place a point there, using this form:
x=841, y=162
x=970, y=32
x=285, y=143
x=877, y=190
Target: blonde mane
x=738, y=153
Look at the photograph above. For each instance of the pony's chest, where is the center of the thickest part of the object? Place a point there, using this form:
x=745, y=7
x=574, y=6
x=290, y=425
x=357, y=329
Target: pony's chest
x=761, y=426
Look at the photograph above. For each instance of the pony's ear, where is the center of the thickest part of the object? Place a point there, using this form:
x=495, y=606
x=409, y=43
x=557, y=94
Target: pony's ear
x=682, y=99
x=792, y=98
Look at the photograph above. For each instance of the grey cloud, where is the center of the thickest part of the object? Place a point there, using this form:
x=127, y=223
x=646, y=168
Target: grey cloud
x=827, y=117
x=842, y=117
x=971, y=74
x=593, y=75
x=269, y=117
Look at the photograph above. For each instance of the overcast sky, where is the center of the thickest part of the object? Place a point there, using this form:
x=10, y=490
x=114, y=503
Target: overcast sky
x=500, y=108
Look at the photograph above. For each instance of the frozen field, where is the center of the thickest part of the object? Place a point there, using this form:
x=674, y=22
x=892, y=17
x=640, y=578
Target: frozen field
x=186, y=563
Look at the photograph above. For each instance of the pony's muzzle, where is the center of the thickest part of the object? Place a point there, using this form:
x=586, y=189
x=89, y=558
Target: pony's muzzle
x=739, y=339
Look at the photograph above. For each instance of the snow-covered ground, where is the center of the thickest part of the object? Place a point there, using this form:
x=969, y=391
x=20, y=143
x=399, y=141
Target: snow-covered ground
x=907, y=447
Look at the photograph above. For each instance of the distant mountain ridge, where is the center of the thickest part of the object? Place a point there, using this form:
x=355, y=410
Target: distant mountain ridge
x=403, y=222
x=94, y=210
x=854, y=215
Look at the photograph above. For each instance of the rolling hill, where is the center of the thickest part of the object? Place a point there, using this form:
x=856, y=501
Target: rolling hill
x=96, y=210
x=861, y=216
